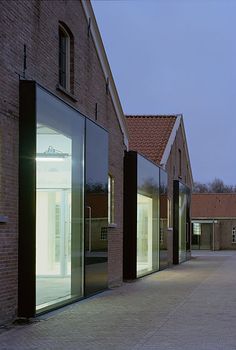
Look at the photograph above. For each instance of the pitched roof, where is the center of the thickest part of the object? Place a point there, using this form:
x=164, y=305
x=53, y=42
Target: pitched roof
x=213, y=205
x=149, y=134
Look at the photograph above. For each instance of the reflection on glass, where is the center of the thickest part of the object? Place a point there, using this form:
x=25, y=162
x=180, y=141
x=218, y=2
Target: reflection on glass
x=59, y=202
x=147, y=217
x=163, y=220
x=96, y=202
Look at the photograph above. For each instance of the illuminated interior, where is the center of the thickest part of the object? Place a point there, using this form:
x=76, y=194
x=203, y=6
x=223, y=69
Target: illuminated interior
x=53, y=216
x=144, y=234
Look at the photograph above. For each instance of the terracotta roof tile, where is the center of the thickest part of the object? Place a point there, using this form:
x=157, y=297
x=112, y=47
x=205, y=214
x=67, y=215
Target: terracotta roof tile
x=213, y=205
x=149, y=134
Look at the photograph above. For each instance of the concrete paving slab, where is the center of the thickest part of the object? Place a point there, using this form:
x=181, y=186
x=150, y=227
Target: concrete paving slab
x=190, y=306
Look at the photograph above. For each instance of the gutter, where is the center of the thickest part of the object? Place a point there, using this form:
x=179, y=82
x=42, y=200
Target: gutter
x=94, y=30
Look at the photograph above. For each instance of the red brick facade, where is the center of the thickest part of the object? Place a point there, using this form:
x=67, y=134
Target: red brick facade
x=35, y=23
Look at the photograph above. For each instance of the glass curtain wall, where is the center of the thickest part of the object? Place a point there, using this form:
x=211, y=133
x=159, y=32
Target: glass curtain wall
x=147, y=217
x=59, y=202
x=163, y=220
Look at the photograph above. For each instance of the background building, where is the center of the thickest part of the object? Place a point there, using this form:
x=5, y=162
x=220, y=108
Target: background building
x=214, y=221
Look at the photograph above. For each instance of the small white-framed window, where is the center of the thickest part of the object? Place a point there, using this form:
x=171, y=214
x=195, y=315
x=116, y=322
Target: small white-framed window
x=197, y=228
x=111, y=199
x=234, y=235
x=103, y=236
x=64, y=58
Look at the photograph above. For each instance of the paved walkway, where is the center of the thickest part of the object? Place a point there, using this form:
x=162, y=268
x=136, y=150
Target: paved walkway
x=191, y=306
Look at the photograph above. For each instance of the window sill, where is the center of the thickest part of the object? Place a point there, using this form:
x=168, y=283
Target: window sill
x=112, y=225
x=66, y=92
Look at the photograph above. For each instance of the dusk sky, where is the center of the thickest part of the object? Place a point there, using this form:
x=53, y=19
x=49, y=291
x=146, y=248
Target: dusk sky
x=178, y=56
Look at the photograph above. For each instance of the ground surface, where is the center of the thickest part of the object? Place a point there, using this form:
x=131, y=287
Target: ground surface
x=191, y=306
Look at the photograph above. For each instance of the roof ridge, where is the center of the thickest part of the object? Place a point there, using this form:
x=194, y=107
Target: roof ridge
x=213, y=193
x=152, y=115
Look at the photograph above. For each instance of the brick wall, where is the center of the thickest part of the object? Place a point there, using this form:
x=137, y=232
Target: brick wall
x=35, y=23
x=225, y=233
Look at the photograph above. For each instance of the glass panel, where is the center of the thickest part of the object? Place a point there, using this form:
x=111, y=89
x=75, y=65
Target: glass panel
x=59, y=202
x=182, y=222
x=96, y=198
x=147, y=217
x=163, y=220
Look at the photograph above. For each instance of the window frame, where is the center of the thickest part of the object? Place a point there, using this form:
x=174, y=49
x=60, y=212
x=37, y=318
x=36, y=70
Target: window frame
x=233, y=234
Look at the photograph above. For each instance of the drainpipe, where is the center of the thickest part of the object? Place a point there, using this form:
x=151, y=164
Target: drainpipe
x=213, y=236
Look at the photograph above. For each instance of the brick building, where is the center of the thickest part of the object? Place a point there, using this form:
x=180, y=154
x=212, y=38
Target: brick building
x=214, y=221
x=58, y=104
x=161, y=140
x=63, y=136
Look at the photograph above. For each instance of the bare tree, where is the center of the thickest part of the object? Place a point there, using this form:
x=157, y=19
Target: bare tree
x=216, y=186
x=200, y=187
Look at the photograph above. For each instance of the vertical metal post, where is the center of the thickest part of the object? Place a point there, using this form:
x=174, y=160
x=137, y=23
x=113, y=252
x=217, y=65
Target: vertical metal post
x=90, y=228
x=213, y=235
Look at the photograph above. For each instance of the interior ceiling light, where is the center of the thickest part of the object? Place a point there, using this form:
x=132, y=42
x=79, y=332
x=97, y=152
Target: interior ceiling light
x=52, y=155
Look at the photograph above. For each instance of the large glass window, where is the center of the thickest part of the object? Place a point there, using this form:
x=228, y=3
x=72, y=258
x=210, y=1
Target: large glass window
x=59, y=202
x=147, y=217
